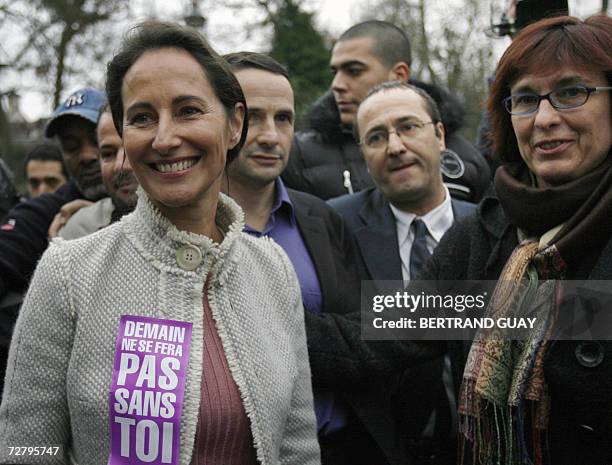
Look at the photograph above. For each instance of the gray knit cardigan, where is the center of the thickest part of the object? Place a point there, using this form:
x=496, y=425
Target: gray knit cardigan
x=62, y=353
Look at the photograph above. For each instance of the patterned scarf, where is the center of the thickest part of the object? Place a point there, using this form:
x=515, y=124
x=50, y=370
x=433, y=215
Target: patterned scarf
x=504, y=402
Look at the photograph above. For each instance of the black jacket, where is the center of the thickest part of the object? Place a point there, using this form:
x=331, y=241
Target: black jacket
x=372, y=224
x=23, y=239
x=325, y=153
x=419, y=390
x=477, y=248
x=23, y=236
x=330, y=246
x=8, y=193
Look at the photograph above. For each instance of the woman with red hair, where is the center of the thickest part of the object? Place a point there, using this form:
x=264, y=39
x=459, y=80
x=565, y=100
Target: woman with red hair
x=543, y=400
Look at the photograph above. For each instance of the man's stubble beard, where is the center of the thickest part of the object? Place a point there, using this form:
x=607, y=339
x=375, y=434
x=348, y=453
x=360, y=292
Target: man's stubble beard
x=93, y=192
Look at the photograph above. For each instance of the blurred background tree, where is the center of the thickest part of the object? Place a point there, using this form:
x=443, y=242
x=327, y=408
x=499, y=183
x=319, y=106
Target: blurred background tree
x=63, y=37
x=301, y=47
x=293, y=39
x=450, y=48
x=59, y=42
x=55, y=46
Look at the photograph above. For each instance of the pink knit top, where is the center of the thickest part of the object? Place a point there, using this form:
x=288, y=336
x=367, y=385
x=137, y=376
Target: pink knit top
x=223, y=435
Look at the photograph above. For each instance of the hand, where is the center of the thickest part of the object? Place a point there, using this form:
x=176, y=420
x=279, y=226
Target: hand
x=64, y=215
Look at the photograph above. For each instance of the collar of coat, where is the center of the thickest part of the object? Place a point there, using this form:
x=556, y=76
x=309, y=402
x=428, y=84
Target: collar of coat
x=324, y=117
x=158, y=240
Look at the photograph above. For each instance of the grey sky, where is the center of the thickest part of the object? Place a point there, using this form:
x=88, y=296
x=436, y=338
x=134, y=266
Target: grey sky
x=225, y=34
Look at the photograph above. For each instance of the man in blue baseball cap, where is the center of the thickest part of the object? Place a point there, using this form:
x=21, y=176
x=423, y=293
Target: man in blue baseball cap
x=74, y=123
x=23, y=231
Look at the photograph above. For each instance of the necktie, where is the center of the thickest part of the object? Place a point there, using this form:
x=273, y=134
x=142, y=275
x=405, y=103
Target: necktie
x=418, y=253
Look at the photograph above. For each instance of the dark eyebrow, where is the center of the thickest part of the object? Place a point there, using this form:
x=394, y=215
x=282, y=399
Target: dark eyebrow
x=348, y=64
x=107, y=145
x=401, y=119
x=412, y=119
x=566, y=81
x=138, y=106
x=285, y=112
x=186, y=98
x=570, y=80
x=175, y=101
x=380, y=127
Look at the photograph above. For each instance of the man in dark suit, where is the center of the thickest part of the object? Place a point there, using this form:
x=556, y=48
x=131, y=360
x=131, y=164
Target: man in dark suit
x=398, y=223
x=314, y=238
x=396, y=226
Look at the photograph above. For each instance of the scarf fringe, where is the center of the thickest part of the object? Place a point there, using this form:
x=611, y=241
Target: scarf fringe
x=502, y=435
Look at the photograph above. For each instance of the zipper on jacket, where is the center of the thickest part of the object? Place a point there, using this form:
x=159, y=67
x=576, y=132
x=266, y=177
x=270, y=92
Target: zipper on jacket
x=346, y=174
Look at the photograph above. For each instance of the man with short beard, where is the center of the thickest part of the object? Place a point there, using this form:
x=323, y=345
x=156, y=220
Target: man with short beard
x=23, y=234
x=74, y=124
x=118, y=178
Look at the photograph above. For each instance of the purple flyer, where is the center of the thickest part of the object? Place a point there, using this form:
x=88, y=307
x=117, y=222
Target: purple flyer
x=146, y=396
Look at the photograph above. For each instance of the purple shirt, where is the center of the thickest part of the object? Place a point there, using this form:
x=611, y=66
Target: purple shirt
x=283, y=228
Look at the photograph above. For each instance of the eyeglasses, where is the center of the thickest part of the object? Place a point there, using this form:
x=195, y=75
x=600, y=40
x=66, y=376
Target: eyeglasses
x=561, y=99
x=405, y=129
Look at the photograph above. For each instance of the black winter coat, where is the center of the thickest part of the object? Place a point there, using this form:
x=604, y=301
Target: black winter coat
x=324, y=154
x=476, y=248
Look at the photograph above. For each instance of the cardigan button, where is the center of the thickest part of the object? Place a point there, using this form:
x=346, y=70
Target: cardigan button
x=589, y=354
x=188, y=257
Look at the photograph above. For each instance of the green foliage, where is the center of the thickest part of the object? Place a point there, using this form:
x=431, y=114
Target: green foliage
x=301, y=48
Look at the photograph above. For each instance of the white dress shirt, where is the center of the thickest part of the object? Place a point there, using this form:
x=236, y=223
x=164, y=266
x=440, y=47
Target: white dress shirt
x=437, y=222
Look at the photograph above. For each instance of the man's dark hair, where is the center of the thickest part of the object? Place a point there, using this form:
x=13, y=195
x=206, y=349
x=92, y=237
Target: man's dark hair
x=391, y=44
x=46, y=152
x=153, y=35
x=104, y=109
x=249, y=60
x=430, y=105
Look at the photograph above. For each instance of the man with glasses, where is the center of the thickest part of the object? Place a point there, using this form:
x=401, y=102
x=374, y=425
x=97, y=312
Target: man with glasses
x=396, y=225
x=325, y=159
x=401, y=136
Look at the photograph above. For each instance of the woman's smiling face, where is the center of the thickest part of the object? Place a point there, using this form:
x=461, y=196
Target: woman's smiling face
x=176, y=132
x=559, y=146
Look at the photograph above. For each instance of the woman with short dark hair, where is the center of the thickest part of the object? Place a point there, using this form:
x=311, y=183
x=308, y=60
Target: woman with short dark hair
x=169, y=337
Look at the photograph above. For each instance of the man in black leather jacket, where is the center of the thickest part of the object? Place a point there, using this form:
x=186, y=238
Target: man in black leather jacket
x=325, y=159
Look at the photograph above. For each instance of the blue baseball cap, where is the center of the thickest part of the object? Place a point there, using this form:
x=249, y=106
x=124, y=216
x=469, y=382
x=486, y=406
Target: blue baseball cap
x=85, y=103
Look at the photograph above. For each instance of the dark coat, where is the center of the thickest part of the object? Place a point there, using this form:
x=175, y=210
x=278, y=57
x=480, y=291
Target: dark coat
x=372, y=223
x=23, y=239
x=331, y=248
x=325, y=150
x=23, y=236
x=477, y=248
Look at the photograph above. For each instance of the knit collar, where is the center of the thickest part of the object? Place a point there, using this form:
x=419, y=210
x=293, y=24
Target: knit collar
x=583, y=206
x=157, y=239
